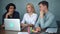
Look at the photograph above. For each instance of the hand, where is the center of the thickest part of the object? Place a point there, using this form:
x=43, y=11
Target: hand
x=24, y=25
x=36, y=30
x=31, y=25
x=9, y=13
x=3, y=26
x=41, y=13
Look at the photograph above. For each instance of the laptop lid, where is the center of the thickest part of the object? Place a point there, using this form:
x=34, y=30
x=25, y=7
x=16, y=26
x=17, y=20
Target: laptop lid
x=12, y=24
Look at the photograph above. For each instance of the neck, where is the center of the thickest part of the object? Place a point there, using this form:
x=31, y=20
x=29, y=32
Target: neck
x=30, y=13
x=11, y=13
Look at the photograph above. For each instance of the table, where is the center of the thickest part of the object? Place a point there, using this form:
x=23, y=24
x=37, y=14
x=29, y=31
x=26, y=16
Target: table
x=2, y=31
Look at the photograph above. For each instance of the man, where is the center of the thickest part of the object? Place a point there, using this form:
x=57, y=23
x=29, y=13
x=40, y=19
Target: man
x=46, y=18
x=11, y=13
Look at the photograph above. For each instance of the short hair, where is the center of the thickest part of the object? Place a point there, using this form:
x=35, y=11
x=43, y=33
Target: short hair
x=45, y=3
x=10, y=4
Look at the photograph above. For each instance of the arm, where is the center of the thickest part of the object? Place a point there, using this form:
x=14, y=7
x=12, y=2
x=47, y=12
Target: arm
x=37, y=23
x=47, y=23
x=34, y=19
x=3, y=20
x=18, y=15
x=23, y=21
x=37, y=26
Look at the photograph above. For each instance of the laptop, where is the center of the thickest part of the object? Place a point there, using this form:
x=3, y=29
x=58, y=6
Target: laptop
x=12, y=24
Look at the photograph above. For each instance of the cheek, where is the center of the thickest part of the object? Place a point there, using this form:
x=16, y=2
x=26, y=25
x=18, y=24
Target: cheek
x=11, y=10
x=42, y=8
x=29, y=9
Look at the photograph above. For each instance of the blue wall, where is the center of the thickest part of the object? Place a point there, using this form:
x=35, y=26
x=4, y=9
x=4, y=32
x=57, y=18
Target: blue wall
x=54, y=7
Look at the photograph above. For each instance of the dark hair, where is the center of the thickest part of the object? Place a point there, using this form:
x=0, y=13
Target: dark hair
x=45, y=3
x=10, y=4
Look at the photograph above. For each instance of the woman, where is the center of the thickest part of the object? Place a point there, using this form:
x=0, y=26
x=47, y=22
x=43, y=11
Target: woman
x=11, y=13
x=29, y=17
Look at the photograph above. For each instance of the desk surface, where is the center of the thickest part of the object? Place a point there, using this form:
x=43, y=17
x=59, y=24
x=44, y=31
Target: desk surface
x=2, y=31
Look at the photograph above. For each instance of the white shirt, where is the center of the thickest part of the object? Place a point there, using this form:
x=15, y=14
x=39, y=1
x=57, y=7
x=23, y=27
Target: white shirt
x=29, y=19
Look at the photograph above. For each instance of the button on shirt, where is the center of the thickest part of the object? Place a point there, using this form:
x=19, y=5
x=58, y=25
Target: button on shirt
x=29, y=19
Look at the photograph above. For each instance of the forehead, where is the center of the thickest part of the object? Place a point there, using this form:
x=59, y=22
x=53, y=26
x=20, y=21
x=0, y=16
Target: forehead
x=28, y=5
x=41, y=5
x=11, y=6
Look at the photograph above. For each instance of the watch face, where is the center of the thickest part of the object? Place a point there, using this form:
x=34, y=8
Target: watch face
x=11, y=25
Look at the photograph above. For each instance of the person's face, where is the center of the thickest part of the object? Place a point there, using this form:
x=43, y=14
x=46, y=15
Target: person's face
x=29, y=8
x=42, y=7
x=11, y=9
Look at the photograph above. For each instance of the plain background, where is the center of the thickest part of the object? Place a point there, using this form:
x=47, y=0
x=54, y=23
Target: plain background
x=54, y=7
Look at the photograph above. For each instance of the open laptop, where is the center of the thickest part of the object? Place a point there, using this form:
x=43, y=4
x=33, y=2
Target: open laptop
x=12, y=24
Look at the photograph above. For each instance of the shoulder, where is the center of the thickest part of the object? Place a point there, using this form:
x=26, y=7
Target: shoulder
x=34, y=14
x=26, y=14
x=16, y=12
x=51, y=14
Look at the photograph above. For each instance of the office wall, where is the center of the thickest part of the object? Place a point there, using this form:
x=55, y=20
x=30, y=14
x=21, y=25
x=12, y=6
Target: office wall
x=54, y=7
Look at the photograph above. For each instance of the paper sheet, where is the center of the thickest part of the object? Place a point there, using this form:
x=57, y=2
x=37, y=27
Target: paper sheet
x=51, y=30
x=22, y=32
